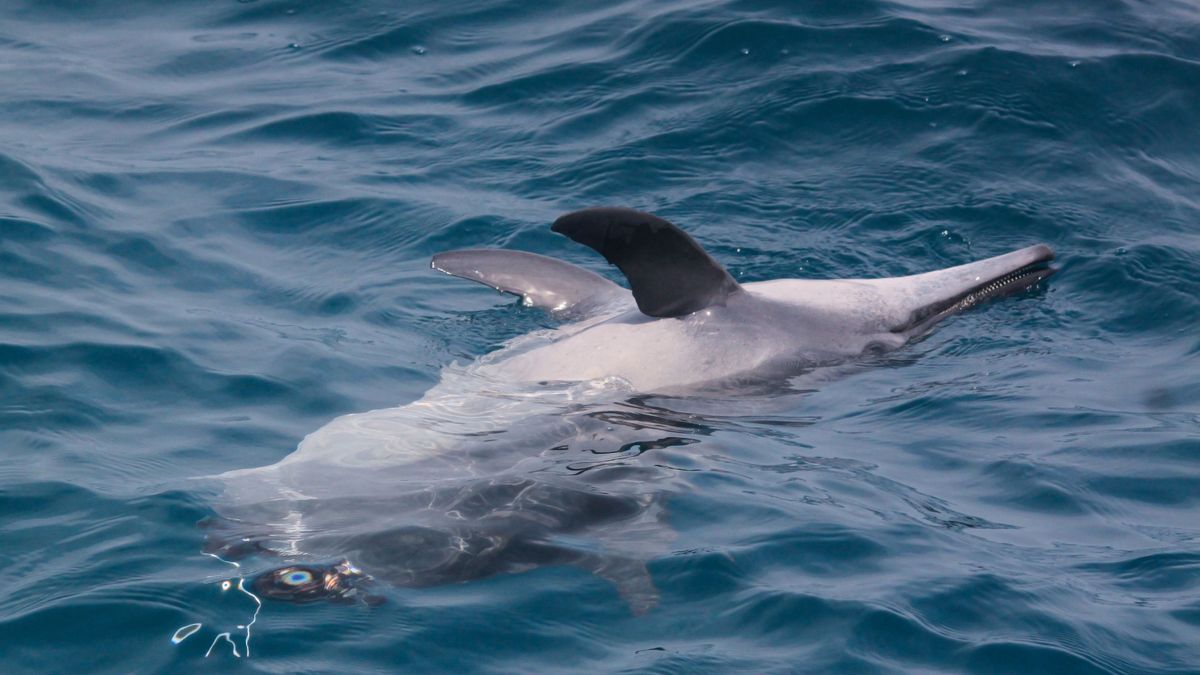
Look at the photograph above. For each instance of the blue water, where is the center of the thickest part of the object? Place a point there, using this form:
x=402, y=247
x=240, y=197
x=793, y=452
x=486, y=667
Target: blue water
x=216, y=220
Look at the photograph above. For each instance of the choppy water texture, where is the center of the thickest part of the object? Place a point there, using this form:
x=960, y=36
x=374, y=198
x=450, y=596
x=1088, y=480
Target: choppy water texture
x=216, y=219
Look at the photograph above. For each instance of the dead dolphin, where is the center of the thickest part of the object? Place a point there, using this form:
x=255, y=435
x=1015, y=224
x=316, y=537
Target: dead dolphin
x=482, y=475
x=694, y=323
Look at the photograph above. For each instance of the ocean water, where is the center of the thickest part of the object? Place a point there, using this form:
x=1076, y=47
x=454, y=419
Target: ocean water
x=216, y=220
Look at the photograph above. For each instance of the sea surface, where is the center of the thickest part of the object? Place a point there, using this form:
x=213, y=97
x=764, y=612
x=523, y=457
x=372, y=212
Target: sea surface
x=216, y=221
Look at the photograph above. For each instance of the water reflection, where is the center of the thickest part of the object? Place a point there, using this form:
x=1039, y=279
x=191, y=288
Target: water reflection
x=465, y=485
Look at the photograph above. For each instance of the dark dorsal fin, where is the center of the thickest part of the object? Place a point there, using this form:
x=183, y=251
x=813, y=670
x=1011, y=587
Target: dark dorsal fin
x=668, y=271
x=542, y=282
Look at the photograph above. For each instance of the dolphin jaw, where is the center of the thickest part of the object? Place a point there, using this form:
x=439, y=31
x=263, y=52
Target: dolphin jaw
x=992, y=278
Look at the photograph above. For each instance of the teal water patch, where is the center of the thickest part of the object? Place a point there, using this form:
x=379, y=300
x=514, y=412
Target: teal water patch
x=216, y=221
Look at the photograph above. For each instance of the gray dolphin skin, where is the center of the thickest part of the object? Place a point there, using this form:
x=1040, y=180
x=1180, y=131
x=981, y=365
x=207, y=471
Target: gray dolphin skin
x=711, y=328
x=531, y=455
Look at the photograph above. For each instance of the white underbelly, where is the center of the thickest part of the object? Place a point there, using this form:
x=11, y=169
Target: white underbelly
x=648, y=356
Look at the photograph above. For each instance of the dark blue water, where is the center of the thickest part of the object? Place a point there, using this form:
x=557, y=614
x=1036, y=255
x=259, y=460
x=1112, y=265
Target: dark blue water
x=216, y=220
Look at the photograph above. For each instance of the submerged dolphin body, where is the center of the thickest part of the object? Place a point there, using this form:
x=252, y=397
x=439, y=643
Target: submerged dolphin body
x=494, y=470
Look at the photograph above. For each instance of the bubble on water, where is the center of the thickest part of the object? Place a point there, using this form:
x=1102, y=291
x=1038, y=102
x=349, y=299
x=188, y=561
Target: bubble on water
x=944, y=38
x=745, y=51
x=298, y=578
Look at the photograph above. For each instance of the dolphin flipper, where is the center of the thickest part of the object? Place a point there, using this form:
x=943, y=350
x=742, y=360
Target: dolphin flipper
x=630, y=576
x=542, y=282
x=670, y=274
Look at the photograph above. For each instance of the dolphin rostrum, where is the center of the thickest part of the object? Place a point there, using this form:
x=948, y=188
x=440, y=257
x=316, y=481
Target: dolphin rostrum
x=504, y=464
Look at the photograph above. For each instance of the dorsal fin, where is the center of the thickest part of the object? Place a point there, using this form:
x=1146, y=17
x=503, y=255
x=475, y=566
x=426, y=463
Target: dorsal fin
x=668, y=271
x=542, y=282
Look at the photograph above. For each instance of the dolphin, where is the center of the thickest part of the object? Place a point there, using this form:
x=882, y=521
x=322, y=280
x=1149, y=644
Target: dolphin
x=512, y=462
x=688, y=322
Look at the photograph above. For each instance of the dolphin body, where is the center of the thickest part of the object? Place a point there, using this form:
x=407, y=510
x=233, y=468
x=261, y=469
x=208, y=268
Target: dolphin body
x=693, y=323
x=495, y=468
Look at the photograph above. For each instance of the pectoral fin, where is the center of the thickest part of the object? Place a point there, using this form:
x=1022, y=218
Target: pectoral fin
x=630, y=576
x=550, y=284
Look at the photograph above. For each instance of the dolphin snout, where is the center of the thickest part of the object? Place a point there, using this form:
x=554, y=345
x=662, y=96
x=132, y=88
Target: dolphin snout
x=957, y=289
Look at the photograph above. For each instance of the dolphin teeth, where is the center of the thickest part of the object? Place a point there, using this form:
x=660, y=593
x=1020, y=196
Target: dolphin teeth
x=1013, y=281
x=1016, y=279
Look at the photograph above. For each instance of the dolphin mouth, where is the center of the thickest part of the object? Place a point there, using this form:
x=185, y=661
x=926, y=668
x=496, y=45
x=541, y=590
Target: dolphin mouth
x=1034, y=266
